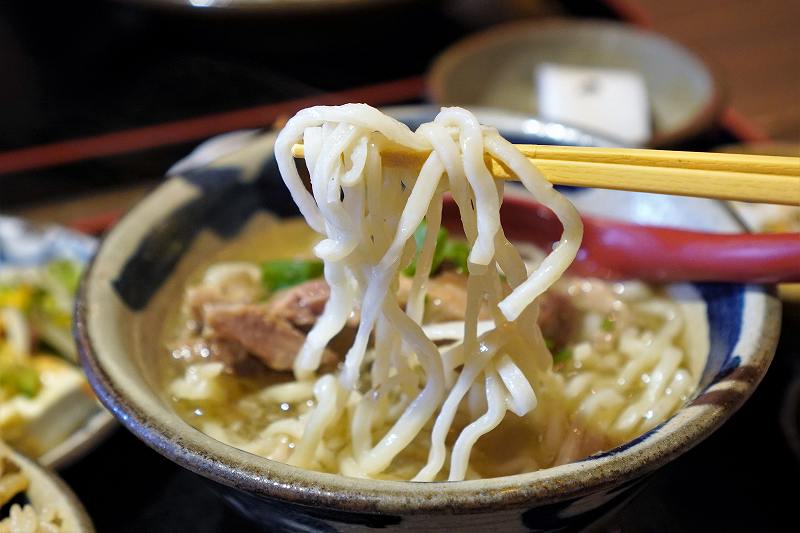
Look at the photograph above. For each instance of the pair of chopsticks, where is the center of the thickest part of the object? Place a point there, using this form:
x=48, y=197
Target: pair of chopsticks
x=744, y=177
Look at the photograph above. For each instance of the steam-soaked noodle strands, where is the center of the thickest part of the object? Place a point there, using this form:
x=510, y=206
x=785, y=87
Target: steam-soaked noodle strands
x=369, y=239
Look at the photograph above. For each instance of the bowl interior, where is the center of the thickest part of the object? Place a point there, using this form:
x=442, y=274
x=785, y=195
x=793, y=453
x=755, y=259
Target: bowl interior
x=496, y=68
x=140, y=272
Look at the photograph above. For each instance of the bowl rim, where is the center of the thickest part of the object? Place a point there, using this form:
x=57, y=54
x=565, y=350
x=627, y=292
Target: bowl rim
x=241, y=470
x=256, y=7
x=442, y=65
x=50, y=482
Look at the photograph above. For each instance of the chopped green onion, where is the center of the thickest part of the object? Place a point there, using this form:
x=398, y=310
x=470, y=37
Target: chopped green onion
x=283, y=273
x=452, y=251
x=550, y=343
x=20, y=379
x=562, y=356
x=456, y=253
x=65, y=272
x=46, y=308
x=419, y=238
x=608, y=324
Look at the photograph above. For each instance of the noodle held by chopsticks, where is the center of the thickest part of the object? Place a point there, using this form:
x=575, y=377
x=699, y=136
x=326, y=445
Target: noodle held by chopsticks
x=368, y=215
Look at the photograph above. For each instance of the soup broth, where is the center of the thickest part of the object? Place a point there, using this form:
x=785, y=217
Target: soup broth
x=626, y=356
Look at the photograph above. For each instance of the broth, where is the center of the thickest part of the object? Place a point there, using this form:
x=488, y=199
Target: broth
x=629, y=360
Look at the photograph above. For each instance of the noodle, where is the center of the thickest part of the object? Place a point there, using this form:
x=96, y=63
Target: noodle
x=342, y=146
x=415, y=398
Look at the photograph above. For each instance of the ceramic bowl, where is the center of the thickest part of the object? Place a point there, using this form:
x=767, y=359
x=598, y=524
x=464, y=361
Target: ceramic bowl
x=495, y=68
x=45, y=489
x=25, y=244
x=144, y=262
x=262, y=7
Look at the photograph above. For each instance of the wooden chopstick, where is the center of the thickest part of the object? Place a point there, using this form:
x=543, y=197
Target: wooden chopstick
x=743, y=177
x=761, y=164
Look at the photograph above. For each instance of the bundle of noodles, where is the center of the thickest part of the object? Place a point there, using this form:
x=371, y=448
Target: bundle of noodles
x=404, y=387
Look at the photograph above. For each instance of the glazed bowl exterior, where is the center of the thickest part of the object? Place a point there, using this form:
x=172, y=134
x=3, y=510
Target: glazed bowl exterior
x=143, y=264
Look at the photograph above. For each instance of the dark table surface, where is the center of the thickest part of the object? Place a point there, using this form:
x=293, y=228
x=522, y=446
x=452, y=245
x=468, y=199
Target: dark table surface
x=71, y=69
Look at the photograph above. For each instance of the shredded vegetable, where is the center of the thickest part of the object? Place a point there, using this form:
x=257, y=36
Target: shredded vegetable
x=35, y=317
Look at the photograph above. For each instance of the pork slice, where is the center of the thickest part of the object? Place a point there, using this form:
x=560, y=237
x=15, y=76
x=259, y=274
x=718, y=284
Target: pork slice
x=447, y=294
x=302, y=304
x=231, y=354
x=447, y=297
x=558, y=318
x=274, y=332
x=236, y=359
x=273, y=339
x=447, y=300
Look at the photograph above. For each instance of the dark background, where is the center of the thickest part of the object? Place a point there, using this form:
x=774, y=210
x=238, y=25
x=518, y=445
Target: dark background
x=76, y=69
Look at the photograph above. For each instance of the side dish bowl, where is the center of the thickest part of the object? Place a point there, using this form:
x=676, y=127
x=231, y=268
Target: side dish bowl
x=24, y=245
x=145, y=261
x=496, y=68
x=46, y=490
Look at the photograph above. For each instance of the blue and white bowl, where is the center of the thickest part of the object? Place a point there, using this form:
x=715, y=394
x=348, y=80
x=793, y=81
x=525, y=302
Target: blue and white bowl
x=23, y=243
x=145, y=261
